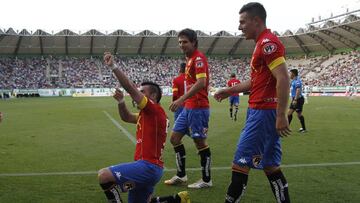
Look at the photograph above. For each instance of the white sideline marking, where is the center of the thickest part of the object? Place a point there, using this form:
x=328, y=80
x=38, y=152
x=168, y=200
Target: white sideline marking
x=131, y=138
x=173, y=169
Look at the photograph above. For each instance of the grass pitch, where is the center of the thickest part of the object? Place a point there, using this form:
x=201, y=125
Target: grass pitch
x=51, y=148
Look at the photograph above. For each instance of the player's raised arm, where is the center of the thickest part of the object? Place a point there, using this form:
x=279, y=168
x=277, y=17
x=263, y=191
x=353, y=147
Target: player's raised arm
x=125, y=82
x=225, y=93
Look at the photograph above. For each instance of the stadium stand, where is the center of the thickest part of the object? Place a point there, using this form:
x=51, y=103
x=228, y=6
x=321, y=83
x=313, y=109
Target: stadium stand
x=70, y=59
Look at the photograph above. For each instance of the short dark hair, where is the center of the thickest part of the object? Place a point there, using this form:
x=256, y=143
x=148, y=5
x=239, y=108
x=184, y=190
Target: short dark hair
x=232, y=75
x=254, y=9
x=182, y=67
x=154, y=88
x=295, y=72
x=190, y=34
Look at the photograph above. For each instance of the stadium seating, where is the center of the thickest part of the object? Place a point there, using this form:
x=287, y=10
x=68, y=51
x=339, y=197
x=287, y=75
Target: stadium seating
x=78, y=72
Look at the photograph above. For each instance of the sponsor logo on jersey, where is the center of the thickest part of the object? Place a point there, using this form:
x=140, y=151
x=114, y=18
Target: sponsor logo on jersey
x=199, y=64
x=269, y=48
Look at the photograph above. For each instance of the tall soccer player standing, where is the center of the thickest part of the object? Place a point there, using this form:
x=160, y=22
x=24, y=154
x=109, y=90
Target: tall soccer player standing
x=297, y=102
x=194, y=119
x=234, y=99
x=138, y=177
x=259, y=145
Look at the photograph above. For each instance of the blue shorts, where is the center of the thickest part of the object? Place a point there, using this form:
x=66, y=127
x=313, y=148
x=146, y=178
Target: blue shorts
x=178, y=112
x=139, y=178
x=234, y=100
x=259, y=145
x=193, y=122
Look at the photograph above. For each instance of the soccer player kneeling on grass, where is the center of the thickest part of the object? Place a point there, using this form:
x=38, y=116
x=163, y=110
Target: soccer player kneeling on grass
x=138, y=177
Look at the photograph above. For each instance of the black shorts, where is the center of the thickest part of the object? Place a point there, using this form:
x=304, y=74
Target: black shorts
x=298, y=107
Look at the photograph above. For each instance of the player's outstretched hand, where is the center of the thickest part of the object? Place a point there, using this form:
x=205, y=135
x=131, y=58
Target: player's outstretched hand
x=1, y=116
x=108, y=59
x=119, y=96
x=282, y=126
x=221, y=94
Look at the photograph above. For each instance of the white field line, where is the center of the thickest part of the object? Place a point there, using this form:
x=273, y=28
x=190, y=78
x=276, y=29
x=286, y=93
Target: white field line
x=117, y=124
x=172, y=169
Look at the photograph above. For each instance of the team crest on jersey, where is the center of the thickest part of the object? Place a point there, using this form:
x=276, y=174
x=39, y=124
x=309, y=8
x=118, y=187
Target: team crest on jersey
x=256, y=160
x=199, y=64
x=269, y=48
x=128, y=185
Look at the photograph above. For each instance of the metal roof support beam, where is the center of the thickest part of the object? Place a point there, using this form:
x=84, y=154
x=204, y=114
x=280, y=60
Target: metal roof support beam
x=91, y=45
x=352, y=30
x=141, y=45
x=301, y=44
x=165, y=45
x=323, y=43
x=66, y=45
x=2, y=37
x=235, y=47
x=18, y=45
x=340, y=38
x=116, y=44
x=41, y=45
x=213, y=44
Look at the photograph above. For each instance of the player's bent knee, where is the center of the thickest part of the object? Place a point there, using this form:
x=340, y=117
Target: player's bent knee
x=105, y=175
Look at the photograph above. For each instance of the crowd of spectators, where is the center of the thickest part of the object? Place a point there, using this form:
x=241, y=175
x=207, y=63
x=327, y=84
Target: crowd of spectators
x=89, y=72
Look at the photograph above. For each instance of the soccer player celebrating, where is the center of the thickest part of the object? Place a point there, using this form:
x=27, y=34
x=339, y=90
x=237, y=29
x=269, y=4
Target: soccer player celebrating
x=234, y=99
x=138, y=177
x=194, y=119
x=178, y=88
x=259, y=145
x=297, y=101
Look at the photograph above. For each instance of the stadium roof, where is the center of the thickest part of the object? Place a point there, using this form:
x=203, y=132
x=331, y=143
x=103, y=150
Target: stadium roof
x=328, y=35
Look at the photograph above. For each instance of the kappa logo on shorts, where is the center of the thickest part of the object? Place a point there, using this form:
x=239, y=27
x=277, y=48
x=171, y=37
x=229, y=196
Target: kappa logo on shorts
x=118, y=175
x=256, y=160
x=269, y=48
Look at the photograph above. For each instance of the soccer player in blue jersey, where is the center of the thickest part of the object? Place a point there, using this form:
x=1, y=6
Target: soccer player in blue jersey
x=297, y=101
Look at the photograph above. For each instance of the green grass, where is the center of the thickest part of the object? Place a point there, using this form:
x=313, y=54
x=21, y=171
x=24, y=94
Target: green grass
x=40, y=135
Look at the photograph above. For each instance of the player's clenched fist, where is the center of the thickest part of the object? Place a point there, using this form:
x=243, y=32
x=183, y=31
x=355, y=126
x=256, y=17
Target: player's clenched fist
x=221, y=94
x=108, y=59
x=119, y=96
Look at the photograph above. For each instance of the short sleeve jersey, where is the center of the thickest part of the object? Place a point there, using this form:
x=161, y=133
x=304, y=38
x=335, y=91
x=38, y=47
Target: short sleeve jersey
x=268, y=54
x=178, y=86
x=232, y=82
x=151, y=132
x=197, y=67
x=295, y=83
